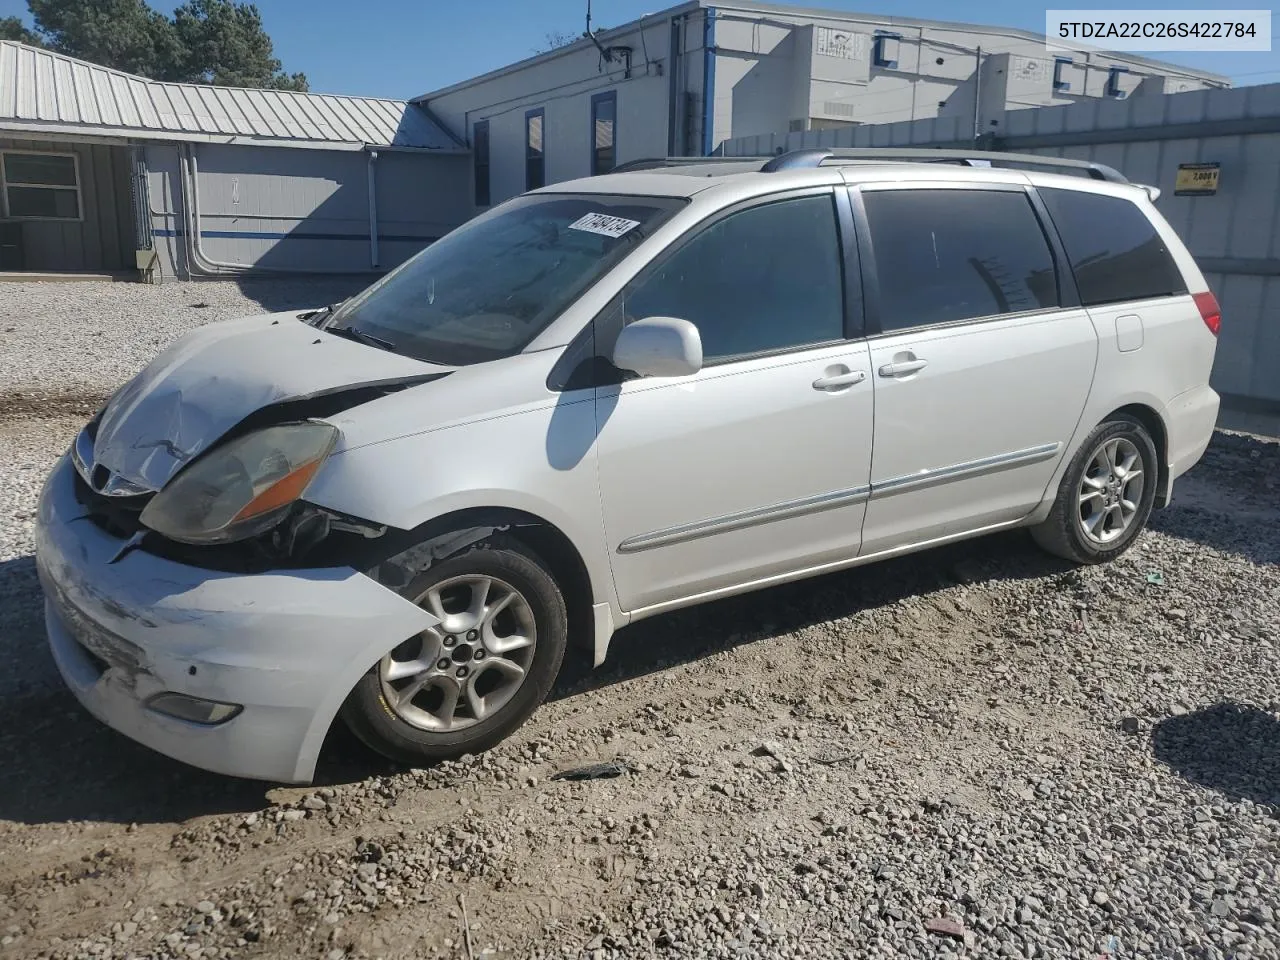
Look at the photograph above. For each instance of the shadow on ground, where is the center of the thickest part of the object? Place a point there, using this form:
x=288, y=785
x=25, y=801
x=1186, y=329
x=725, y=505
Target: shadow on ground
x=61, y=764
x=1228, y=747
x=696, y=632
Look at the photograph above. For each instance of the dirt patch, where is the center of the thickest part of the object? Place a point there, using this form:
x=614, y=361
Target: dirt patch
x=36, y=406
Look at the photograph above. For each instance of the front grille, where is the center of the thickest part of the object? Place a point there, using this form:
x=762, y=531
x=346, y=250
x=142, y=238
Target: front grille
x=116, y=516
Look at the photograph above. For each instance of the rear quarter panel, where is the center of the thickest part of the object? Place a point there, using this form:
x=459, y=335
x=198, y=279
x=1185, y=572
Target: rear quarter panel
x=1156, y=353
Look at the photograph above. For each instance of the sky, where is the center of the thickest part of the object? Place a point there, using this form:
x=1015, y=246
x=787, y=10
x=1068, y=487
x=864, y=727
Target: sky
x=402, y=48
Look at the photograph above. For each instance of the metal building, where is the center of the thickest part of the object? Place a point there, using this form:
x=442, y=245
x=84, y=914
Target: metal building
x=101, y=171
x=682, y=81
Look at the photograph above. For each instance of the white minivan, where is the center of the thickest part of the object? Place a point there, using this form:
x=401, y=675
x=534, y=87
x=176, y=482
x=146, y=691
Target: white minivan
x=600, y=401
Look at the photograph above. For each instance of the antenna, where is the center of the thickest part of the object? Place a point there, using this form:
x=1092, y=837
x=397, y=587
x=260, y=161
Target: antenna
x=608, y=54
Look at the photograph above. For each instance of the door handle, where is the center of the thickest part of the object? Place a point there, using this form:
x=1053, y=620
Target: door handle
x=840, y=380
x=901, y=368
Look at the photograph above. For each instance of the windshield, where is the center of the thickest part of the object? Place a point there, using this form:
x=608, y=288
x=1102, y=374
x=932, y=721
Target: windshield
x=485, y=290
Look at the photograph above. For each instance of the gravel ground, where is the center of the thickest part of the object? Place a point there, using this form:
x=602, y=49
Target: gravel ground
x=975, y=752
x=70, y=341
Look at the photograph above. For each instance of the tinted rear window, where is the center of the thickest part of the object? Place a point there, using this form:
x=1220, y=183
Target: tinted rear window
x=947, y=255
x=1113, y=248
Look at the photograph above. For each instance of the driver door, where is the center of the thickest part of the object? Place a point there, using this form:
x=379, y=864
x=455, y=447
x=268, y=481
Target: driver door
x=758, y=465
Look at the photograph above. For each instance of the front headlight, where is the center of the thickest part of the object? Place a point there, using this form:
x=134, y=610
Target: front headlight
x=243, y=488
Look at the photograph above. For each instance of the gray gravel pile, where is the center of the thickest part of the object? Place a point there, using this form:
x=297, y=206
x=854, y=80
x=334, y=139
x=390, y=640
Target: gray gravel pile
x=975, y=752
x=82, y=340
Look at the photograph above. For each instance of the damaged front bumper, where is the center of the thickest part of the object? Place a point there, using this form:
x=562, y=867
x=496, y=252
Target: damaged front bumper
x=284, y=646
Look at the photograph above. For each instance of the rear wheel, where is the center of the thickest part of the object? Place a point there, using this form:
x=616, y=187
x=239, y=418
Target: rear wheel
x=469, y=682
x=1106, y=495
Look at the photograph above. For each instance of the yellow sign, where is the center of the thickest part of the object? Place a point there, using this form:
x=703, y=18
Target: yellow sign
x=1196, y=180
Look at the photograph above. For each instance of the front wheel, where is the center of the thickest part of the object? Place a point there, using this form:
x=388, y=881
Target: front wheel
x=1106, y=495
x=468, y=683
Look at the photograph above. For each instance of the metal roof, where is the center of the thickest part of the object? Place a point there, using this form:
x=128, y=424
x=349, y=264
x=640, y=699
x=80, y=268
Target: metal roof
x=45, y=92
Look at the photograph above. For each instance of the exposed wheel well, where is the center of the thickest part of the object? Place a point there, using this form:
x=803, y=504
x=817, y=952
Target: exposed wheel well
x=550, y=544
x=1155, y=426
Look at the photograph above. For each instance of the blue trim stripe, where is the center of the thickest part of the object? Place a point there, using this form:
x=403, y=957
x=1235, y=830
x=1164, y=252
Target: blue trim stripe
x=297, y=235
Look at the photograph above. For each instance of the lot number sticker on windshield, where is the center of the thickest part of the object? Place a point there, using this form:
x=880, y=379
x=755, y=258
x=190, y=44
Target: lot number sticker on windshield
x=604, y=225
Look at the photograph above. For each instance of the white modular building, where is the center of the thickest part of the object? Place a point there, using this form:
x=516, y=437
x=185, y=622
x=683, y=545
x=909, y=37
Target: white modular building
x=683, y=81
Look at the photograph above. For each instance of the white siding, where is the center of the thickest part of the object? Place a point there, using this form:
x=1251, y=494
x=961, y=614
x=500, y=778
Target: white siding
x=771, y=70
x=562, y=86
x=279, y=209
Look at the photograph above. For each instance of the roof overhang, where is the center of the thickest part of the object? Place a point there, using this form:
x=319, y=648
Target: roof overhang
x=86, y=133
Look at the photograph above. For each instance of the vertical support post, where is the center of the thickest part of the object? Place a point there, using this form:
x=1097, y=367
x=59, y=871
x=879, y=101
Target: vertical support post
x=373, y=209
x=977, y=98
x=708, y=80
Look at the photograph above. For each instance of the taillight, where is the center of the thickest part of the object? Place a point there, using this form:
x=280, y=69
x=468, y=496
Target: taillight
x=1209, y=311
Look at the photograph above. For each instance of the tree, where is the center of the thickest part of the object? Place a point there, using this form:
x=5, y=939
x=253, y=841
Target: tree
x=207, y=41
x=11, y=28
x=125, y=34
x=224, y=43
x=556, y=40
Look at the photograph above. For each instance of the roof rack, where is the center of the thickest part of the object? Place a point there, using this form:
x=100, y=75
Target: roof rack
x=809, y=158
x=662, y=163
x=818, y=156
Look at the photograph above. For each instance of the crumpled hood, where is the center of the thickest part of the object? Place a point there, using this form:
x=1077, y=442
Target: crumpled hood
x=211, y=379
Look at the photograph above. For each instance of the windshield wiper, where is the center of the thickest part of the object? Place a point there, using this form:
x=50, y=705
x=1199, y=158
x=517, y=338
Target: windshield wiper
x=317, y=317
x=351, y=333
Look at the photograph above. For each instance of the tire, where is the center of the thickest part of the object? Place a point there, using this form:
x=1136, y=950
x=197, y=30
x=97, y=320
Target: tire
x=1063, y=533
x=376, y=711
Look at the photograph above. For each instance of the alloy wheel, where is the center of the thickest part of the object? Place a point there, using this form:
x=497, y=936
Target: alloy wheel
x=468, y=667
x=1111, y=490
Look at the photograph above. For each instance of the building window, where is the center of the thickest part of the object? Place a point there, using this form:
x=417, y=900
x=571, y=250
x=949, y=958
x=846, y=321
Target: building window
x=1060, y=63
x=1113, y=82
x=535, y=157
x=884, y=50
x=40, y=186
x=604, y=132
x=480, y=152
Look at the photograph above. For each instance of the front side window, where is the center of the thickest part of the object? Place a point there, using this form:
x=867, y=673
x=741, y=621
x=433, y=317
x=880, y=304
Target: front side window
x=766, y=278
x=604, y=124
x=1113, y=248
x=947, y=255
x=535, y=170
x=41, y=186
x=485, y=290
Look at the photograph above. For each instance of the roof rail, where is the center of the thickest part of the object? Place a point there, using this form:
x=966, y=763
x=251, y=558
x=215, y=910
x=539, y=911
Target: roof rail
x=818, y=156
x=811, y=157
x=659, y=163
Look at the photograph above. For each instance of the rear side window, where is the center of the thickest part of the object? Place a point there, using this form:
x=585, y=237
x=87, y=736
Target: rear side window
x=1113, y=248
x=767, y=278
x=948, y=255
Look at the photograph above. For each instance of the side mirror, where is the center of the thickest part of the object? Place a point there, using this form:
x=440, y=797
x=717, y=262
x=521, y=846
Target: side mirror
x=659, y=347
